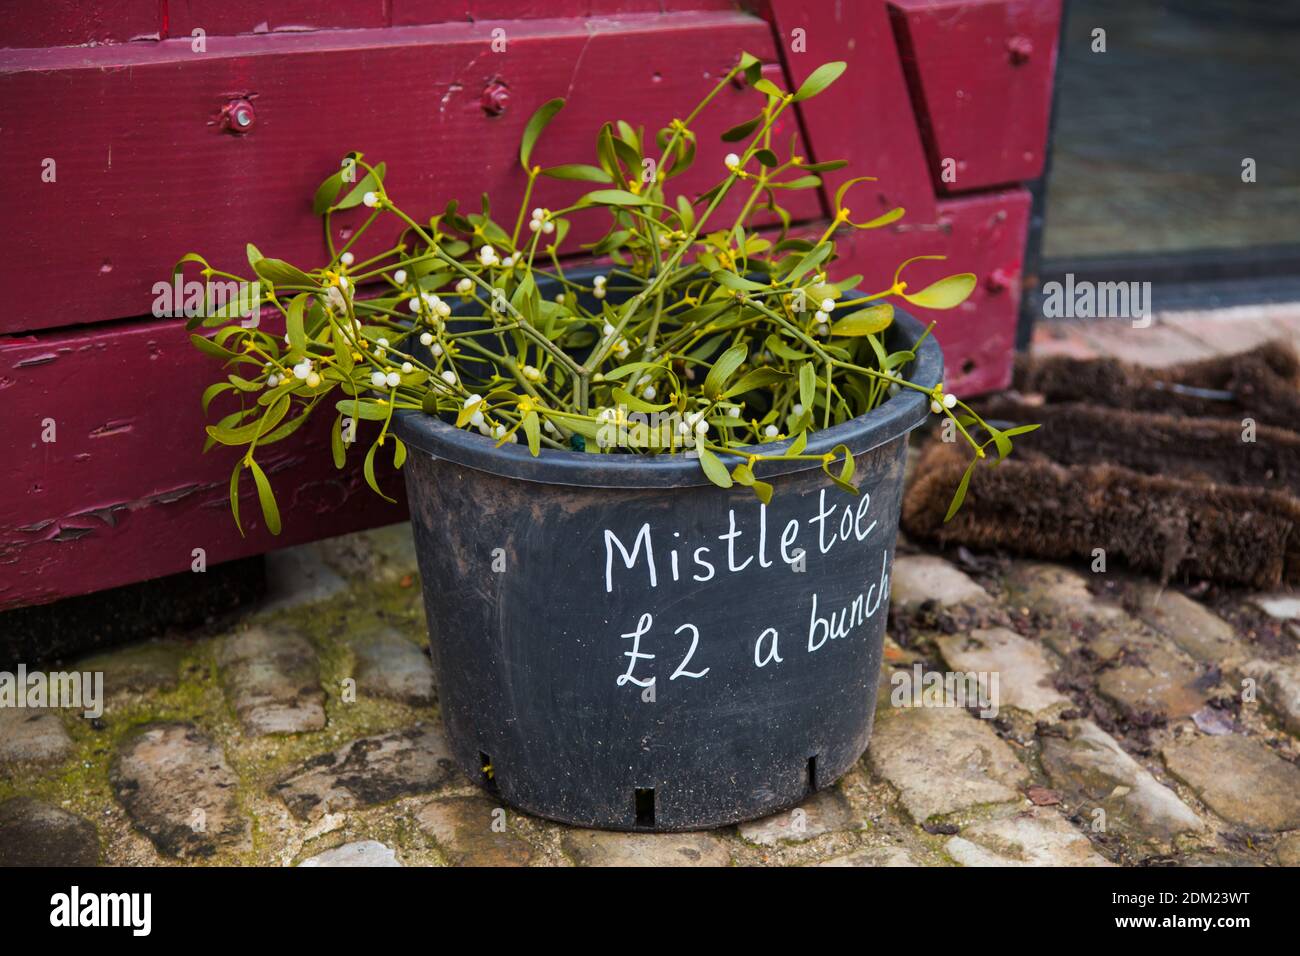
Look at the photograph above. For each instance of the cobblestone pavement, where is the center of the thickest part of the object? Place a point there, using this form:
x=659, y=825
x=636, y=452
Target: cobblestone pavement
x=1136, y=725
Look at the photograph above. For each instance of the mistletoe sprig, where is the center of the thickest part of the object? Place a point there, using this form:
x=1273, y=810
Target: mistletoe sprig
x=733, y=334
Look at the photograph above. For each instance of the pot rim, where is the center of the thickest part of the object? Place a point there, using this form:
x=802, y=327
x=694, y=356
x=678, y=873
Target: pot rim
x=894, y=418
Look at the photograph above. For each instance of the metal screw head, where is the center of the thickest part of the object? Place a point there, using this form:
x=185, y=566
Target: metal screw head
x=238, y=116
x=999, y=279
x=1020, y=48
x=495, y=98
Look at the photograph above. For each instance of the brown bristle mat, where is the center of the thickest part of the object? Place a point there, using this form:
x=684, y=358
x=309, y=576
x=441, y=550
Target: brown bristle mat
x=1196, y=449
x=1263, y=384
x=1130, y=461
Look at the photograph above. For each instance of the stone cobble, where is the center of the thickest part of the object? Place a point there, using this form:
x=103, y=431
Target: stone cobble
x=389, y=665
x=34, y=833
x=31, y=736
x=362, y=853
x=272, y=679
x=178, y=789
x=1128, y=724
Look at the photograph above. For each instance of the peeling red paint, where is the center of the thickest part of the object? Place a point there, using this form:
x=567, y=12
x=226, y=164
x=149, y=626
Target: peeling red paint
x=103, y=513
x=36, y=360
x=111, y=428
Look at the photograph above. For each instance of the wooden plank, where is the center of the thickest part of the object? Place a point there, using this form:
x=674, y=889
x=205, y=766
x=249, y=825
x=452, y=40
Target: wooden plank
x=982, y=234
x=981, y=75
x=436, y=11
x=54, y=23
x=42, y=23
x=145, y=171
x=231, y=17
x=123, y=492
x=866, y=117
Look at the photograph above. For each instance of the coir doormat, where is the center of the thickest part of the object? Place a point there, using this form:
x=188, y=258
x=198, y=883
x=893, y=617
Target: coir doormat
x=1192, y=471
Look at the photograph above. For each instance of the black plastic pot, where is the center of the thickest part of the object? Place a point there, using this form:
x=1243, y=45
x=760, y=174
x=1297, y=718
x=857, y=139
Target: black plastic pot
x=764, y=677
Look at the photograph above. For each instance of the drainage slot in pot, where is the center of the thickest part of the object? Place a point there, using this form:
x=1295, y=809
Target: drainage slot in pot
x=812, y=773
x=644, y=798
x=488, y=771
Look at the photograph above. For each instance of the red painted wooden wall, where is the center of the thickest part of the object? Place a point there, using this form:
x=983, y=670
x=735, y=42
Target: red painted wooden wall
x=117, y=160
